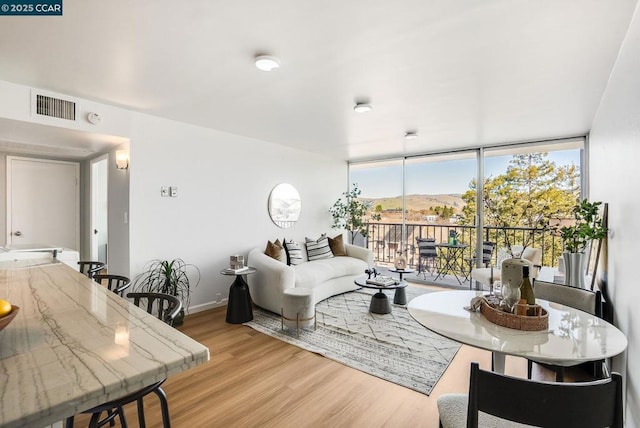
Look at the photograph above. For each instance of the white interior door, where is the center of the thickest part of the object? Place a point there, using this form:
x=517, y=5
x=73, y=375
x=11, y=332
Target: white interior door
x=99, y=208
x=43, y=202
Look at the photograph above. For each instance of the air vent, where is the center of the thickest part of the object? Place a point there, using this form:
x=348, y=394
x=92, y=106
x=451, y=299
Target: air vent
x=55, y=107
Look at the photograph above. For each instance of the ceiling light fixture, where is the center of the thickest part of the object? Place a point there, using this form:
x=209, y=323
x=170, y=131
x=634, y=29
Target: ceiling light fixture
x=362, y=107
x=411, y=135
x=267, y=63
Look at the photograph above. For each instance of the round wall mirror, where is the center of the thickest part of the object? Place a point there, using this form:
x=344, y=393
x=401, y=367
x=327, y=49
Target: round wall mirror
x=284, y=205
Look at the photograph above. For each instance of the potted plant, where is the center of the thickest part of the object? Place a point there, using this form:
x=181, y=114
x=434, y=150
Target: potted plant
x=576, y=238
x=169, y=277
x=349, y=212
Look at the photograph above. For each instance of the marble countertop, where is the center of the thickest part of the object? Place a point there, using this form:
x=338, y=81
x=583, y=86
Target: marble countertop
x=573, y=336
x=75, y=344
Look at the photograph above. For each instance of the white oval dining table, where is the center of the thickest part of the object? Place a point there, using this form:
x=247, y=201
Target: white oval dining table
x=573, y=336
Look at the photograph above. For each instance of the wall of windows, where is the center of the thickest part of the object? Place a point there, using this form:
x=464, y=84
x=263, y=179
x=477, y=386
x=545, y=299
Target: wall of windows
x=510, y=195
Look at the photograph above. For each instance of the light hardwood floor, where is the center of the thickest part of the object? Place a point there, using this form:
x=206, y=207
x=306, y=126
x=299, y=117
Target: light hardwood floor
x=253, y=380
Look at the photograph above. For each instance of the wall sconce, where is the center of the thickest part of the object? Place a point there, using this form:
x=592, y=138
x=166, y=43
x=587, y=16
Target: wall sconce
x=122, y=159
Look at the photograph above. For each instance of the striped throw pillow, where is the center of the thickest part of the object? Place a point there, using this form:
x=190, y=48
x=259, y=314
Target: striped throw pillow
x=319, y=248
x=294, y=252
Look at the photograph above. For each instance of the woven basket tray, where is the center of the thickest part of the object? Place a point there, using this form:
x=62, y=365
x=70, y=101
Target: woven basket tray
x=518, y=322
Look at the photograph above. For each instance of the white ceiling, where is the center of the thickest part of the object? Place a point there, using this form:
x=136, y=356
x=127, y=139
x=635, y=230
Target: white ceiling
x=459, y=72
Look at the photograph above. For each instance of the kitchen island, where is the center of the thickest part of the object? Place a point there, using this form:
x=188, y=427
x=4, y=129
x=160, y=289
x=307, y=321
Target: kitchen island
x=74, y=345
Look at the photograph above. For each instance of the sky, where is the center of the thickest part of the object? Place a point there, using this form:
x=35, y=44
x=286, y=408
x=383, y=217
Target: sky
x=444, y=177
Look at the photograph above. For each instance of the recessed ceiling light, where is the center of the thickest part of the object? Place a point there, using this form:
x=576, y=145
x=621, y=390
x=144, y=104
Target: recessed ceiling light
x=362, y=107
x=411, y=135
x=267, y=63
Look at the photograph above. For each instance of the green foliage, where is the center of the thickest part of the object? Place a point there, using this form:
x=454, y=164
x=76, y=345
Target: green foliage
x=588, y=226
x=349, y=212
x=169, y=277
x=446, y=212
x=532, y=191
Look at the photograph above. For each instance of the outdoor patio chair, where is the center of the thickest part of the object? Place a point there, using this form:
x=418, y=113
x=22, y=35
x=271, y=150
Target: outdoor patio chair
x=427, y=256
x=534, y=255
x=487, y=254
x=496, y=400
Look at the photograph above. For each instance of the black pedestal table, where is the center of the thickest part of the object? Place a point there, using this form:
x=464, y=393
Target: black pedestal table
x=239, y=308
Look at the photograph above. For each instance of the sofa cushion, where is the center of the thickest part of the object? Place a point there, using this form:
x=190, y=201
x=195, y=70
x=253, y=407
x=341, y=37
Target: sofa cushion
x=294, y=252
x=316, y=272
x=337, y=246
x=275, y=250
x=318, y=249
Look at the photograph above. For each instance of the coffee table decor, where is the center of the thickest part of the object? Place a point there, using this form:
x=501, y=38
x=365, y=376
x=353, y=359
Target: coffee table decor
x=393, y=346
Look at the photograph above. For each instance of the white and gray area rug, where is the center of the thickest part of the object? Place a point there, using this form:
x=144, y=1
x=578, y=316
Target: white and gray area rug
x=393, y=346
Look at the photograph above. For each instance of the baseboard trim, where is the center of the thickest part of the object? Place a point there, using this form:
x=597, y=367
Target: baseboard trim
x=206, y=306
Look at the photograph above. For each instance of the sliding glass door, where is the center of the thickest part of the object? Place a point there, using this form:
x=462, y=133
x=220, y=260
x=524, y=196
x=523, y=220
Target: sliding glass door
x=382, y=188
x=434, y=208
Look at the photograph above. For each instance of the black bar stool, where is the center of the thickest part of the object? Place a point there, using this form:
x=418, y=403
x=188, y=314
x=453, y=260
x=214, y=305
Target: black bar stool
x=90, y=268
x=116, y=283
x=166, y=308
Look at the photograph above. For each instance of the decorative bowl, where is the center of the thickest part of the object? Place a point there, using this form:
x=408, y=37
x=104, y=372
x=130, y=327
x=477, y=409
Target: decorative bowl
x=5, y=320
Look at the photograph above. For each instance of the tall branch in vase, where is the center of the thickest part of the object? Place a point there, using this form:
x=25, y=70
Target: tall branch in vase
x=350, y=213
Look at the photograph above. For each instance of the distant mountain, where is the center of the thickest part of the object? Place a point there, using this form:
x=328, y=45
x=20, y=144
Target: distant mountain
x=420, y=202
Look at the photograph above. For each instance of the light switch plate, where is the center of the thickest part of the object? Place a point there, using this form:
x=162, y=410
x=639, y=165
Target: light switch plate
x=173, y=191
x=164, y=191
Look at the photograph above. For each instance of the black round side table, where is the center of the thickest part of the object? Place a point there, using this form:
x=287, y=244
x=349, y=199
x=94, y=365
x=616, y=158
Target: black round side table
x=400, y=298
x=239, y=308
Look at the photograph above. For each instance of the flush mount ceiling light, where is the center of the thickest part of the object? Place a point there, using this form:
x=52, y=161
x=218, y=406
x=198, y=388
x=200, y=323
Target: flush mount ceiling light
x=362, y=107
x=411, y=135
x=267, y=63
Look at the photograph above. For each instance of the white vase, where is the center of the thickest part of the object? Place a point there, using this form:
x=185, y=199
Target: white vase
x=511, y=270
x=574, y=269
x=400, y=261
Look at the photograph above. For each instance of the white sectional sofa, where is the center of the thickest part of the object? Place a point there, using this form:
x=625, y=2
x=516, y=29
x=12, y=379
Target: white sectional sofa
x=326, y=277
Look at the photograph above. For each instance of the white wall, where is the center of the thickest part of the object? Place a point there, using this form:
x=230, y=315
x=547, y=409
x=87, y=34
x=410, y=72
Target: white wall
x=118, y=200
x=15, y=104
x=118, y=226
x=223, y=185
x=223, y=182
x=614, y=157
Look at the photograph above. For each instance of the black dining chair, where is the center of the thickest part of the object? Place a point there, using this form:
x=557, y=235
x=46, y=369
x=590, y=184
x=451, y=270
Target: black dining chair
x=579, y=298
x=496, y=400
x=116, y=283
x=90, y=268
x=165, y=307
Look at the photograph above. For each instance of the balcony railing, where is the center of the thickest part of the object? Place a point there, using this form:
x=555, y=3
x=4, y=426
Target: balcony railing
x=386, y=239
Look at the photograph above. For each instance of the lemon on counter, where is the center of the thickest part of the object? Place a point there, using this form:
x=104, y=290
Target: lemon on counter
x=5, y=307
